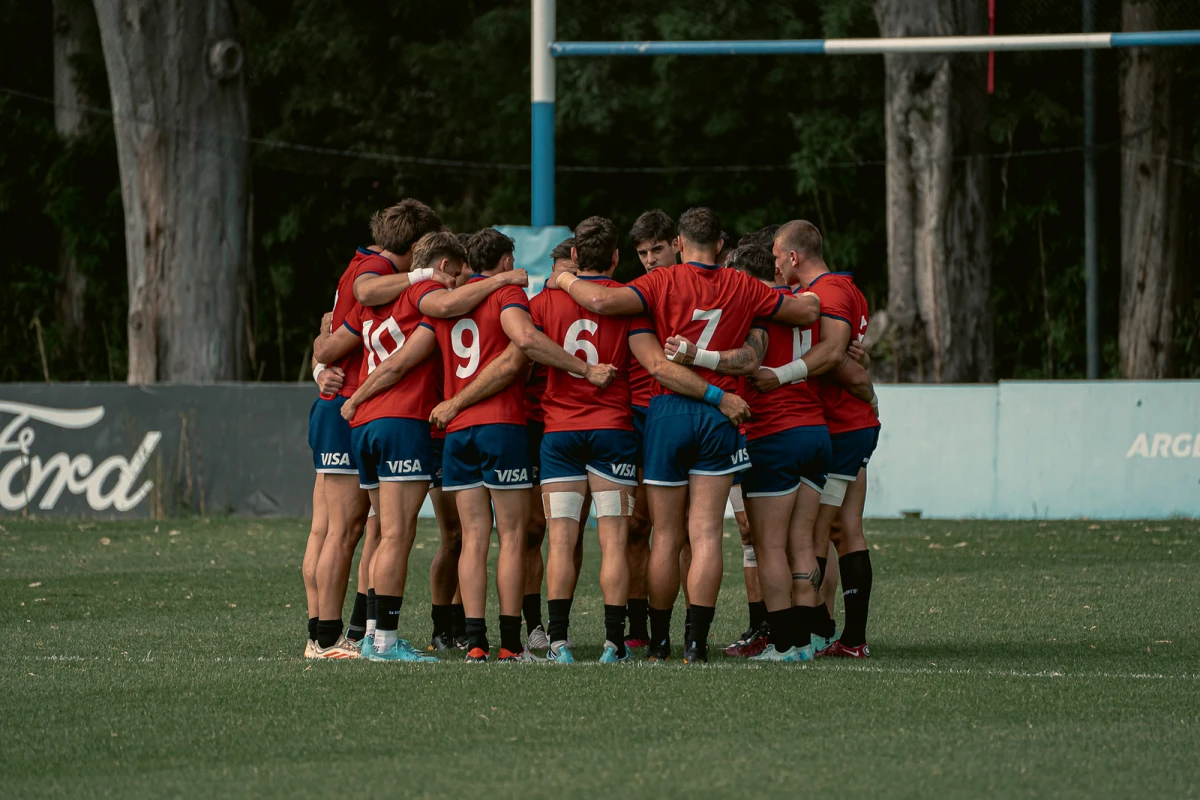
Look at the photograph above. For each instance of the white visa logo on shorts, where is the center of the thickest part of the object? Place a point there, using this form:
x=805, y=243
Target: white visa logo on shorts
x=335, y=459
x=740, y=456
x=624, y=470
x=26, y=474
x=1165, y=445
x=408, y=465
x=512, y=475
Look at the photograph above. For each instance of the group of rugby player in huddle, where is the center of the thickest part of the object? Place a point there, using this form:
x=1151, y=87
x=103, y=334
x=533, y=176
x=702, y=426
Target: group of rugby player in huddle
x=647, y=401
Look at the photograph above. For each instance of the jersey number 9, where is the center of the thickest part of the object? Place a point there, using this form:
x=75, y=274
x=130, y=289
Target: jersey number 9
x=470, y=352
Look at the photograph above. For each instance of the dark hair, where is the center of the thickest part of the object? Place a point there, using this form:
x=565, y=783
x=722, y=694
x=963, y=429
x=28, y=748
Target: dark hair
x=700, y=226
x=802, y=236
x=755, y=260
x=433, y=247
x=763, y=237
x=562, y=251
x=595, y=241
x=398, y=228
x=486, y=248
x=652, y=226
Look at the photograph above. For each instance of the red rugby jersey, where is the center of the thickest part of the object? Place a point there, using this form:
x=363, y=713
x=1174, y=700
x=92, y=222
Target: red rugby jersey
x=641, y=382
x=711, y=306
x=365, y=262
x=794, y=404
x=471, y=342
x=570, y=402
x=384, y=330
x=841, y=299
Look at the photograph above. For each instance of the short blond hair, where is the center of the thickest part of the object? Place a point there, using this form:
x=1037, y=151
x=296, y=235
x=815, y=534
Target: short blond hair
x=433, y=247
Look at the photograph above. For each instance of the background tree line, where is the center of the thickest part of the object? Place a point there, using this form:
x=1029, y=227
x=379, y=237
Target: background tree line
x=253, y=139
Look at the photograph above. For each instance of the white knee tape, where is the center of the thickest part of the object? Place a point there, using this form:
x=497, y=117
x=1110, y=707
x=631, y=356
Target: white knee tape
x=615, y=503
x=735, y=499
x=834, y=492
x=562, y=505
x=749, y=559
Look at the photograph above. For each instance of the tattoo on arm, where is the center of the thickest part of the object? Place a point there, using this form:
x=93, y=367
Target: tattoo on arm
x=747, y=357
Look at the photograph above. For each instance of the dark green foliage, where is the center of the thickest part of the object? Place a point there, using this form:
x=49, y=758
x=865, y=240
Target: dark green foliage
x=356, y=105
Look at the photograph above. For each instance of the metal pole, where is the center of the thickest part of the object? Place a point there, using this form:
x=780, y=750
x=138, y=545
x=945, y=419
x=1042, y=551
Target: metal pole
x=542, y=95
x=1091, y=271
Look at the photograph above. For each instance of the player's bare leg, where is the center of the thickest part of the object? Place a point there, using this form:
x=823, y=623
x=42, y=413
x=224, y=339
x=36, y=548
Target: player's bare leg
x=535, y=569
x=312, y=554
x=829, y=578
x=399, y=504
x=563, y=504
x=824, y=629
x=707, y=495
x=803, y=560
x=361, y=617
x=475, y=512
x=667, y=510
x=347, y=506
x=614, y=509
x=638, y=554
x=770, y=519
x=443, y=570
x=512, y=521
x=855, y=562
x=755, y=639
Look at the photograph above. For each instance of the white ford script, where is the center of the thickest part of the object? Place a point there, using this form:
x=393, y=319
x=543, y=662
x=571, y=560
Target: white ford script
x=110, y=484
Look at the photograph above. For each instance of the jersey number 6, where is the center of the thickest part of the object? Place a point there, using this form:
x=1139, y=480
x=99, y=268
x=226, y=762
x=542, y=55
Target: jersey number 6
x=574, y=345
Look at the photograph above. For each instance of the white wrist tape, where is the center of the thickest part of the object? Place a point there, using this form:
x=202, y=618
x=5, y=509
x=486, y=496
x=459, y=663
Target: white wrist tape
x=709, y=359
x=564, y=284
x=317, y=370
x=749, y=559
x=680, y=353
x=791, y=373
x=562, y=505
x=418, y=275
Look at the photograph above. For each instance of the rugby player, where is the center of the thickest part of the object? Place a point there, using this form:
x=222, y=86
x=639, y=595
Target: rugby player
x=691, y=452
x=589, y=443
x=851, y=410
x=378, y=274
x=653, y=238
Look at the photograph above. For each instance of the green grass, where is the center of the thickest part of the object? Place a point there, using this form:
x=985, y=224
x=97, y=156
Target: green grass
x=1031, y=658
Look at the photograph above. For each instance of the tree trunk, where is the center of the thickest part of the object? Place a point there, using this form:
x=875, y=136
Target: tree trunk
x=1152, y=231
x=73, y=21
x=938, y=220
x=181, y=121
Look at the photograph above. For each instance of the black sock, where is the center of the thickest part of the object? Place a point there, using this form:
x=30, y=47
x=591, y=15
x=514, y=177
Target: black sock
x=312, y=627
x=389, y=611
x=328, y=631
x=441, y=620
x=510, y=633
x=614, y=627
x=639, y=612
x=856, y=593
x=783, y=634
x=372, y=605
x=458, y=621
x=821, y=562
x=531, y=607
x=823, y=623
x=660, y=624
x=702, y=617
x=758, y=614
x=560, y=619
x=476, y=630
x=803, y=620
x=358, y=618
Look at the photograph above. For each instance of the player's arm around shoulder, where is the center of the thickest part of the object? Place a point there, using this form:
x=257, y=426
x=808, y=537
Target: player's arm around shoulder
x=449, y=303
x=800, y=310
x=600, y=299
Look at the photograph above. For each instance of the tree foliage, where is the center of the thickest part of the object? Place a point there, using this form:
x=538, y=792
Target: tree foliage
x=356, y=105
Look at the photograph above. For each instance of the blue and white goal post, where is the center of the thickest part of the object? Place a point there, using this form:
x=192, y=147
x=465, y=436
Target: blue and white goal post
x=545, y=50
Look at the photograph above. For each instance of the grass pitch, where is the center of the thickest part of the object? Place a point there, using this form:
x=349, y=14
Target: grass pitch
x=1023, y=658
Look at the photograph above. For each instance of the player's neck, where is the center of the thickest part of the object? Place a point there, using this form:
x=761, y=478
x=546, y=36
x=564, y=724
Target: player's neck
x=699, y=256
x=811, y=270
x=401, y=263
x=588, y=273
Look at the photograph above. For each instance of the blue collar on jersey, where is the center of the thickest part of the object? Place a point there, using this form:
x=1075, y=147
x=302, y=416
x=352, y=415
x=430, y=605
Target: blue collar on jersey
x=702, y=266
x=823, y=274
x=362, y=251
x=478, y=278
x=593, y=277
x=783, y=288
